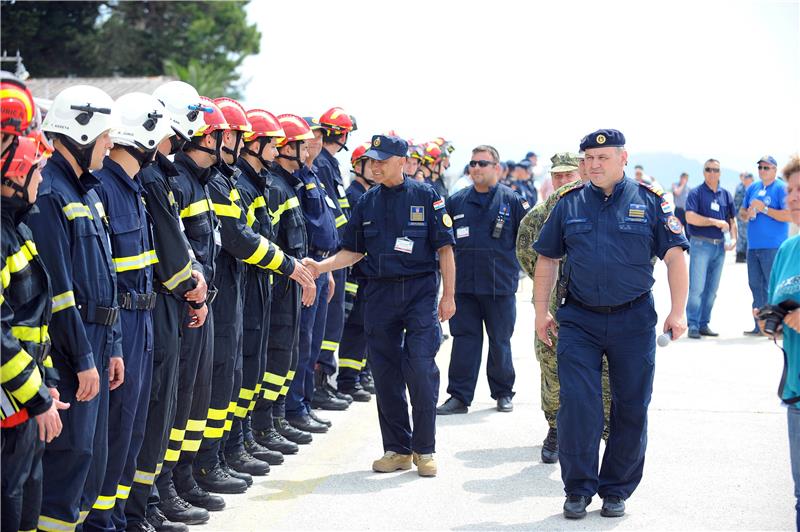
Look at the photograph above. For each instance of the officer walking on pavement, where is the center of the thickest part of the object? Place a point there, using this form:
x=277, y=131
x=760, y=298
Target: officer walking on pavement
x=70, y=231
x=398, y=228
x=567, y=171
x=608, y=229
x=486, y=217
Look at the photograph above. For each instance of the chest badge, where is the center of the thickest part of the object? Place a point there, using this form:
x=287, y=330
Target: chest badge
x=636, y=210
x=674, y=225
x=417, y=213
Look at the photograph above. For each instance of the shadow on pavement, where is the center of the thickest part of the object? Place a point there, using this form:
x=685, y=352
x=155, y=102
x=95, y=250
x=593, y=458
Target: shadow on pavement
x=593, y=521
x=352, y=483
x=483, y=458
x=471, y=417
x=533, y=481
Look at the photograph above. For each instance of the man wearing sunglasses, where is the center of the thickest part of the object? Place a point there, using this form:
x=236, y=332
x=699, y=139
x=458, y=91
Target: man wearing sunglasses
x=765, y=209
x=486, y=218
x=710, y=215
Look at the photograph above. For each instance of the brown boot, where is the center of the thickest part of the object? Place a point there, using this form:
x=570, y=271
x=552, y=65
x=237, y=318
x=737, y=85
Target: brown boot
x=426, y=465
x=392, y=461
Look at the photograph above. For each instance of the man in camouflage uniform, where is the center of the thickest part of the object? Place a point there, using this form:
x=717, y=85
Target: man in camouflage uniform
x=567, y=172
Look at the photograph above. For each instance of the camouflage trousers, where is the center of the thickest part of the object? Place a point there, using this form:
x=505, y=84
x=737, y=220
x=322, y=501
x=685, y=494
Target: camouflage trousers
x=550, y=387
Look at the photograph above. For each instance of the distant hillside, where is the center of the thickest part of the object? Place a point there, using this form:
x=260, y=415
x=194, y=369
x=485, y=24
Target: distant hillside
x=666, y=167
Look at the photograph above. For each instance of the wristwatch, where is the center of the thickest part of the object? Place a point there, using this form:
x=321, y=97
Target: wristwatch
x=766, y=209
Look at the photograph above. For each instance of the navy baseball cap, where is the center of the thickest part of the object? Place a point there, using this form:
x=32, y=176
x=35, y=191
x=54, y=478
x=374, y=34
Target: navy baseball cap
x=768, y=159
x=603, y=138
x=385, y=146
x=312, y=122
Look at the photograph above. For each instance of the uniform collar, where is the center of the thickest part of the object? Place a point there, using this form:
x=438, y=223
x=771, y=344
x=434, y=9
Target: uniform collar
x=165, y=165
x=474, y=196
x=358, y=186
x=618, y=188
x=15, y=209
x=247, y=169
x=203, y=175
x=398, y=188
x=116, y=171
x=83, y=185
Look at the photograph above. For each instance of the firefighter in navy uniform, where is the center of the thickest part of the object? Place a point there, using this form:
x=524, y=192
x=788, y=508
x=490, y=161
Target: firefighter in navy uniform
x=176, y=276
x=318, y=209
x=72, y=239
x=177, y=489
x=609, y=229
x=28, y=397
x=353, y=346
x=398, y=228
x=141, y=124
x=257, y=153
x=336, y=126
x=269, y=425
x=240, y=245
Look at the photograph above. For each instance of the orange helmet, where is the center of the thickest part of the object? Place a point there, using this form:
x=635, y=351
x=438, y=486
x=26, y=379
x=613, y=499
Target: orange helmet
x=18, y=109
x=20, y=161
x=294, y=129
x=213, y=118
x=359, y=152
x=234, y=113
x=264, y=124
x=335, y=121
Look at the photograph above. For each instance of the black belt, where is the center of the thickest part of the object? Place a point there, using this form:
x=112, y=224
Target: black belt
x=609, y=309
x=322, y=253
x=403, y=278
x=715, y=241
x=99, y=315
x=130, y=301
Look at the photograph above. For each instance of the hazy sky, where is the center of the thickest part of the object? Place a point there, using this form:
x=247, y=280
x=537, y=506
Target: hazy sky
x=699, y=78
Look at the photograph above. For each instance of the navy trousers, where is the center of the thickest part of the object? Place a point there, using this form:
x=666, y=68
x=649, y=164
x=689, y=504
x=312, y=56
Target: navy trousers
x=353, y=346
x=334, y=323
x=401, y=361
x=628, y=340
x=498, y=314
x=21, y=477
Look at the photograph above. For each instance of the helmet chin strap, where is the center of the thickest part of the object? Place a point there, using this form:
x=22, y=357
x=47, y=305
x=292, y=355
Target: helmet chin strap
x=216, y=150
x=82, y=154
x=176, y=144
x=295, y=157
x=262, y=143
x=341, y=145
x=235, y=149
x=361, y=173
x=142, y=157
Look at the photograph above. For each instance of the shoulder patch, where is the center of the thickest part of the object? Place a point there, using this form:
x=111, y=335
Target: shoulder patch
x=652, y=188
x=566, y=191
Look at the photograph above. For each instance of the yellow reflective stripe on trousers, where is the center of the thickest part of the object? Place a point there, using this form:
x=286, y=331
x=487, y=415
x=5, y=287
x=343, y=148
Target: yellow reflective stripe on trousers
x=195, y=425
x=37, y=335
x=191, y=446
x=198, y=207
x=63, y=301
x=343, y=203
x=172, y=455
x=105, y=502
x=123, y=491
x=143, y=477
x=217, y=414
x=136, y=262
x=258, y=254
x=177, y=434
x=351, y=288
x=341, y=220
x=77, y=210
x=349, y=363
x=328, y=345
x=213, y=432
x=55, y=525
x=183, y=275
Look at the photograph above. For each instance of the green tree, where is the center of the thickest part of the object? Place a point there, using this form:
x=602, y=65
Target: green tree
x=203, y=43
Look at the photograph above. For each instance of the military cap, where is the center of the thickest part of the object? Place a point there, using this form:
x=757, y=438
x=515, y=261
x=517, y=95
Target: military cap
x=603, y=138
x=564, y=162
x=385, y=146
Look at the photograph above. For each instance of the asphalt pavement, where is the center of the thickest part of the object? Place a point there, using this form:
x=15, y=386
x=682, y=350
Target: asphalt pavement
x=717, y=456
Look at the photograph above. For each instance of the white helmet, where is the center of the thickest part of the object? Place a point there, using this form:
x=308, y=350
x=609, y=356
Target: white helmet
x=140, y=121
x=184, y=106
x=81, y=113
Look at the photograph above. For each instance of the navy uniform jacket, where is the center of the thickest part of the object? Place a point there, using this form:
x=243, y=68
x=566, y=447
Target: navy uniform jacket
x=525, y=189
x=197, y=217
x=72, y=239
x=131, y=238
x=25, y=298
x=329, y=173
x=399, y=229
x=284, y=209
x=318, y=210
x=354, y=192
x=173, y=270
x=485, y=227
x=239, y=240
x=609, y=241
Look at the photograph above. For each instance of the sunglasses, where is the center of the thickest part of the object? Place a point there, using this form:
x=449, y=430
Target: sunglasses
x=711, y=170
x=764, y=168
x=482, y=164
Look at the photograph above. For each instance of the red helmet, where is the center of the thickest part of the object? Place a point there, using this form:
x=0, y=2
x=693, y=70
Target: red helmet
x=294, y=129
x=445, y=145
x=336, y=121
x=234, y=114
x=212, y=116
x=431, y=153
x=359, y=152
x=18, y=109
x=28, y=152
x=264, y=124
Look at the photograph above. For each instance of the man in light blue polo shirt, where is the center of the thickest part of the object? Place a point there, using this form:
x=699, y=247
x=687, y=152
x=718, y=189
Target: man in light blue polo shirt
x=710, y=214
x=765, y=208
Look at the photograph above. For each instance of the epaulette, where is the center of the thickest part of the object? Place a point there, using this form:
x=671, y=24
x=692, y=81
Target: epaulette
x=564, y=191
x=658, y=191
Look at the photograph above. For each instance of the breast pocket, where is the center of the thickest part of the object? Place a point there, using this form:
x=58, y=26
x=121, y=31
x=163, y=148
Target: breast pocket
x=576, y=233
x=89, y=268
x=198, y=231
x=635, y=242
x=420, y=239
x=125, y=238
